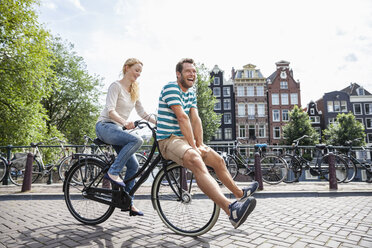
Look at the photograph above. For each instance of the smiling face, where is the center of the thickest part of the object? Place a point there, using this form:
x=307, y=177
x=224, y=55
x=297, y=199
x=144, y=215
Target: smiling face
x=186, y=78
x=133, y=72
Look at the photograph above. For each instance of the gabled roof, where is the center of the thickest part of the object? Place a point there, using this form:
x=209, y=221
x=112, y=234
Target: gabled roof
x=272, y=76
x=352, y=90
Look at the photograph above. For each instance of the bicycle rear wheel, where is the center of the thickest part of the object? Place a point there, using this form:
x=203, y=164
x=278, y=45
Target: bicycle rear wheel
x=180, y=203
x=17, y=172
x=232, y=166
x=352, y=170
x=340, y=166
x=85, y=210
x=274, y=169
x=3, y=165
x=294, y=168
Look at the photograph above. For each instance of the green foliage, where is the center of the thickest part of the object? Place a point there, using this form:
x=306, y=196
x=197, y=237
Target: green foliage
x=298, y=126
x=72, y=107
x=345, y=128
x=206, y=101
x=24, y=70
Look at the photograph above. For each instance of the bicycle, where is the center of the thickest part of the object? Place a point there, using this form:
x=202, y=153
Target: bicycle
x=3, y=167
x=175, y=196
x=274, y=168
x=353, y=162
x=39, y=169
x=320, y=168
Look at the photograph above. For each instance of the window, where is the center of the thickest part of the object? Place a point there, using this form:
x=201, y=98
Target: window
x=314, y=119
x=368, y=123
x=368, y=108
x=218, y=134
x=294, y=98
x=261, y=110
x=357, y=108
x=250, y=91
x=261, y=131
x=227, y=104
x=260, y=90
x=284, y=97
x=249, y=74
x=312, y=111
x=276, y=115
x=252, y=132
x=251, y=111
x=284, y=85
x=360, y=91
x=276, y=132
x=239, y=74
x=336, y=106
x=216, y=92
x=242, y=131
x=240, y=90
x=285, y=115
x=331, y=120
x=275, y=99
x=217, y=105
x=369, y=137
x=227, y=118
x=343, y=106
x=228, y=133
x=226, y=91
x=330, y=106
x=216, y=81
x=241, y=109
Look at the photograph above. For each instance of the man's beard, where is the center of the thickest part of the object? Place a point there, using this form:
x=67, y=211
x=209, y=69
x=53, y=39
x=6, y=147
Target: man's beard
x=184, y=84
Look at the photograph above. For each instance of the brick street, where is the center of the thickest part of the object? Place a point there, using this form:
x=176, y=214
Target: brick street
x=276, y=222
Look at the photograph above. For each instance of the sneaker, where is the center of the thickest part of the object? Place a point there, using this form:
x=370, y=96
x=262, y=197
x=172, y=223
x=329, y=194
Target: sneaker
x=249, y=190
x=239, y=211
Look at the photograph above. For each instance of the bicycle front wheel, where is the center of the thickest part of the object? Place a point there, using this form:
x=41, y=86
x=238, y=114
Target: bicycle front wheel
x=274, y=169
x=64, y=166
x=17, y=172
x=3, y=166
x=232, y=166
x=180, y=203
x=87, y=211
x=340, y=166
x=352, y=170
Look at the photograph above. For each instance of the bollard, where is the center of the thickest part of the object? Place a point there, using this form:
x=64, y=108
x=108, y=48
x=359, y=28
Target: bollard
x=332, y=172
x=257, y=170
x=27, y=179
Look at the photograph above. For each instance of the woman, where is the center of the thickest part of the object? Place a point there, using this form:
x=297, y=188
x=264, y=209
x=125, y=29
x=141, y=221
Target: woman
x=122, y=97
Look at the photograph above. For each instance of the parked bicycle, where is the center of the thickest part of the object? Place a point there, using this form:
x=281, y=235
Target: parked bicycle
x=353, y=162
x=3, y=167
x=319, y=166
x=274, y=168
x=39, y=169
x=180, y=203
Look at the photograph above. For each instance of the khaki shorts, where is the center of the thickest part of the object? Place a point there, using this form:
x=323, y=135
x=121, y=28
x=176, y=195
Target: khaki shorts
x=174, y=148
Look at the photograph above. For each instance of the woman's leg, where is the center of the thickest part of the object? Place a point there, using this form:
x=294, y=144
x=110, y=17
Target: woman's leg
x=132, y=168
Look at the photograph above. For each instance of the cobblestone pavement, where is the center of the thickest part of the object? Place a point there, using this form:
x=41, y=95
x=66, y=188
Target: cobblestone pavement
x=276, y=222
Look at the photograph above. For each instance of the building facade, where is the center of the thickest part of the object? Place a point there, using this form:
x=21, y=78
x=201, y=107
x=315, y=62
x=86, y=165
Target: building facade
x=315, y=117
x=283, y=93
x=250, y=105
x=224, y=93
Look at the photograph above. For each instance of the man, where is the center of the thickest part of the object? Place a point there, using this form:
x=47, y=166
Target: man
x=180, y=137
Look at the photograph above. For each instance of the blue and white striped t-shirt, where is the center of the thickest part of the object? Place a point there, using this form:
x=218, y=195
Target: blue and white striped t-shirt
x=170, y=95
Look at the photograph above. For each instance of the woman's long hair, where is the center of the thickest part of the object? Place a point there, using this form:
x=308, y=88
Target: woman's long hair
x=134, y=89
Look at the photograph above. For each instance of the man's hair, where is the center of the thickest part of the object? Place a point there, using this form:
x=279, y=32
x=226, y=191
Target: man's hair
x=179, y=65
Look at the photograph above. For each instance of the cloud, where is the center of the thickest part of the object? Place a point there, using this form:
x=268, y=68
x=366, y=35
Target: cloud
x=77, y=4
x=49, y=5
x=351, y=58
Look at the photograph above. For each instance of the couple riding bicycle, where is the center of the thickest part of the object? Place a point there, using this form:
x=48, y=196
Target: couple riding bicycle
x=179, y=135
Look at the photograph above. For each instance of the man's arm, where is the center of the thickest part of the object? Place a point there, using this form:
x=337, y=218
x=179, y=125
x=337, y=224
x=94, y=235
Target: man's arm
x=185, y=124
x=196, y=126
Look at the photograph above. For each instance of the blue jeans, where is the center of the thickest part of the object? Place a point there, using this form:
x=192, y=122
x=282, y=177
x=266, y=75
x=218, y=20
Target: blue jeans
x=125, y=145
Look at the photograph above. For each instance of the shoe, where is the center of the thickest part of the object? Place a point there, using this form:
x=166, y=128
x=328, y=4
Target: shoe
x=135, y=213
x=239, y=211
x=249, y=190
x=121, y=184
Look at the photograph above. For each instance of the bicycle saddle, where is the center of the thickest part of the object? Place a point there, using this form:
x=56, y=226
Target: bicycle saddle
x=321, y=146
x=99, y=142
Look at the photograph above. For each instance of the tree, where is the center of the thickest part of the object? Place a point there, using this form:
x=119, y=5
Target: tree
x=298, y=126
x=345, y=128
x=72, y=107
x=24, y=70
x=206, y=101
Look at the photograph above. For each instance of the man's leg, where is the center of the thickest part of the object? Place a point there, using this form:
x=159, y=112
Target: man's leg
x=193, y=161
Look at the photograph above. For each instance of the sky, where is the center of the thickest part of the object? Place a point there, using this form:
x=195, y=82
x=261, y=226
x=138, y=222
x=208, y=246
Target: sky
x=328, y=43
